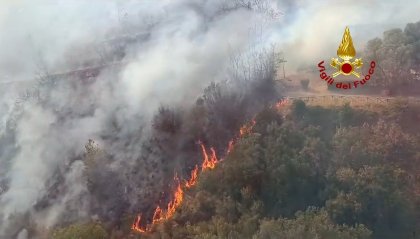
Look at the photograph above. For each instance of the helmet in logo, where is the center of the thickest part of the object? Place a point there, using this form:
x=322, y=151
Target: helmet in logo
x=346, y=52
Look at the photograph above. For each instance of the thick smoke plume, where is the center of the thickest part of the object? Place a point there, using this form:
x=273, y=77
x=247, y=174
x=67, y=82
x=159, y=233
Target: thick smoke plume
x=146, y=55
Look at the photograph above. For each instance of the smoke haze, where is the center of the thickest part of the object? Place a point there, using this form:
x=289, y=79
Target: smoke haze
x=312, y=30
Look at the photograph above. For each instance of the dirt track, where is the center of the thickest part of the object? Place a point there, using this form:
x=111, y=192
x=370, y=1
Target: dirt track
x=354, y=100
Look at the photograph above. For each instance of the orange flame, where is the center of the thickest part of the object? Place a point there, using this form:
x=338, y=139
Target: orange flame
x=209, y=162
x=281, y=103
x=136, y=225
x=247, y=128
x=159, y=215
x=172, y=206
x=193, y=179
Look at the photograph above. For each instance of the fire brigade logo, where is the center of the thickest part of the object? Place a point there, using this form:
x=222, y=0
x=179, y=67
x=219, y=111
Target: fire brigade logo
x=346, y=52
x=344, y=65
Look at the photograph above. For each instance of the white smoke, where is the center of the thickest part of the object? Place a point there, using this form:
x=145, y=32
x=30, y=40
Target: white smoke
x=312, y=30
x=189, y=44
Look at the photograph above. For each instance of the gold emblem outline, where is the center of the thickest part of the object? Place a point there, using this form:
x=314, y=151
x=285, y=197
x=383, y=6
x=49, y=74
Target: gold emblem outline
x=346, y=52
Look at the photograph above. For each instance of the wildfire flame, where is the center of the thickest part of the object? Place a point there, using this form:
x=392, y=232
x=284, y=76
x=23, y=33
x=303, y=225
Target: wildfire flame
x=159, y=215
x=247, y=128
x=136, y=225
x=281, y=103
x=209, y=162
x=193, y=179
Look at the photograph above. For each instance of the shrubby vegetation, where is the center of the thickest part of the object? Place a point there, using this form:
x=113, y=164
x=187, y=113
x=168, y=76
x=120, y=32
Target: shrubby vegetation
x=310, y=172
x=396, y=57
x=306, y=172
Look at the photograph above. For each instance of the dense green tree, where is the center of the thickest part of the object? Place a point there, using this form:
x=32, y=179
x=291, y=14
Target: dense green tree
x=265, y=118
x=396, y=56
x=290, y=183
x=376, y=197
x=372, y=144
x=308, y=225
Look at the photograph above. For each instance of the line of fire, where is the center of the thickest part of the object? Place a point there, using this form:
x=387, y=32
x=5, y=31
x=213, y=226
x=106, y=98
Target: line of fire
x=210, y=161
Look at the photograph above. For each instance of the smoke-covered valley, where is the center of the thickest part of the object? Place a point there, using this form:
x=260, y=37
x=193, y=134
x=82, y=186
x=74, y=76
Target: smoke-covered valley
x=102, y=103
x=177, y=50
